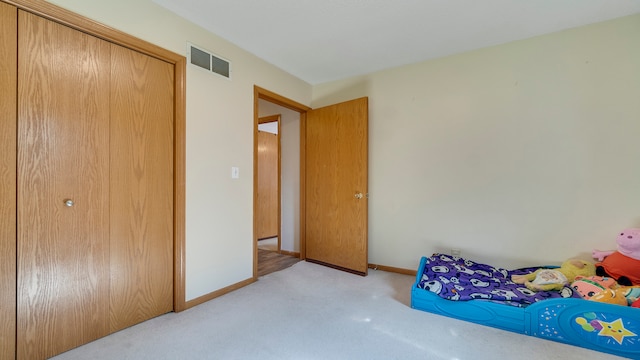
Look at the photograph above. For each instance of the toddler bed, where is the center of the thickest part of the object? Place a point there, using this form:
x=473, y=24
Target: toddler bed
x=479, y=293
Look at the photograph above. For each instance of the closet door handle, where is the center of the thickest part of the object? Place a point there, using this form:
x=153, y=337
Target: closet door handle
x=68, y=202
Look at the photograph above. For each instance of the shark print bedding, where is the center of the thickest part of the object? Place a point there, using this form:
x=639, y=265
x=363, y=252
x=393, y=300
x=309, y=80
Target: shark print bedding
x=459, y=279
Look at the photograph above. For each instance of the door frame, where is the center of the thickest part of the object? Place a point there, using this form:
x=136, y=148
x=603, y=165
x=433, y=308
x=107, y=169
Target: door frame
x=265, y=120
x=264, y=94
x=81, y=23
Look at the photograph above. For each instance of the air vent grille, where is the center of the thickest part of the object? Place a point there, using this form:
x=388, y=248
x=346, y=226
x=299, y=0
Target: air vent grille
x=208, y=61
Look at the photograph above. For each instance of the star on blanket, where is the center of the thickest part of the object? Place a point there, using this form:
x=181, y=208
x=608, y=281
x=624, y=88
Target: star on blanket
x=615, y=330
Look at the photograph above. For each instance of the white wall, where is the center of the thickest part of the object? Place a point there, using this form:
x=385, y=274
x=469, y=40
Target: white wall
x=519, y=154
x=219, y=210
x=270, y=127
x=290, y=167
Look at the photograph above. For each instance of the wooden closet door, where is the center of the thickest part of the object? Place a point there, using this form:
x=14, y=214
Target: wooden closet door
x=63, y=174
x=141, y=187
x=8, y=68
x=267, y=209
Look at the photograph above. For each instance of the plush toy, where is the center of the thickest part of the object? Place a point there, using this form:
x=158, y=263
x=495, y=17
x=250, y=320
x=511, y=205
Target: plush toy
x=631, y=293
x=622, y=295
x=624, y=264
x=587, y=286
x=610, y=296
x=555, y=279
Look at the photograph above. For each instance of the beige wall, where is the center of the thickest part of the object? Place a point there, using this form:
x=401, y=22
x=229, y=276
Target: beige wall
x=523, y=153
x=219, y=210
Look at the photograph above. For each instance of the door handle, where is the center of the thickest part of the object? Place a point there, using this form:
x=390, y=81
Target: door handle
x=359, y=196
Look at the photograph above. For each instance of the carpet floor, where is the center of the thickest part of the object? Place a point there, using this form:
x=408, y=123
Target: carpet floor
x=309, y=311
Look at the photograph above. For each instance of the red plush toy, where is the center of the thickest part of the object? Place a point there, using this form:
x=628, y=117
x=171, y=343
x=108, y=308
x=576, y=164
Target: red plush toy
x=624, y=264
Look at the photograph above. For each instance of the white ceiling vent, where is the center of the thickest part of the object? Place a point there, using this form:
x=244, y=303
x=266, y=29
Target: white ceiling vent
x=206, y=60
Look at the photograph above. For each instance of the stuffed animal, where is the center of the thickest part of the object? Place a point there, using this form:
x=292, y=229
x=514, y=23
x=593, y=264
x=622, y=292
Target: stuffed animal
x=610, y=296
x=557, y=278
x=631, y=293
x=587, y=286
x=621, y=295
x=623, y=264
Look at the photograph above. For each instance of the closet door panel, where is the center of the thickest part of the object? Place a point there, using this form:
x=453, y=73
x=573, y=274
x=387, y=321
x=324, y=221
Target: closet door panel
x=63, y=139
x=141, y=188
x=268, y=172
x=8, y=68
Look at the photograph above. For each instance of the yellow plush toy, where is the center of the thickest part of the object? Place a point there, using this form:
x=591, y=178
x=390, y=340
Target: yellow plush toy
x=557, y=278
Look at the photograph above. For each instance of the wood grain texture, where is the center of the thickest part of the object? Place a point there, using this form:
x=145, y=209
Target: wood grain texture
x=336, y=169
x=42, y=145
x=63, y=16
x=268, y=221
x=8, y=125
x=272, y=261
x=63, y=133
x=141, y=187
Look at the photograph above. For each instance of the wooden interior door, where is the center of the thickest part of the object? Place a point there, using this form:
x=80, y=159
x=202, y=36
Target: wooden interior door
x=336, y=186
x=141, y=198
x=267, y=222
x=63, y=167
x=8, y=75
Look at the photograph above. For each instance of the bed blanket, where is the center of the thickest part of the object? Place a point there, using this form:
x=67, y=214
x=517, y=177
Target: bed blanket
x=459, y=279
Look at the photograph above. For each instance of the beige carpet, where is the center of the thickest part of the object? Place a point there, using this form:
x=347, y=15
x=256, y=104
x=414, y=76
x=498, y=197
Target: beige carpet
x=313, y=312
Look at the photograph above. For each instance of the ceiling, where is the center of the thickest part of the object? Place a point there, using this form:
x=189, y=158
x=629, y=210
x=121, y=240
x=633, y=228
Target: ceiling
x=325, y=40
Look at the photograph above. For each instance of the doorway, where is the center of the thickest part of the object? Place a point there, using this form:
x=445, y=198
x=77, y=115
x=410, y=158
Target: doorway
x=279, y=248
x=268, y=209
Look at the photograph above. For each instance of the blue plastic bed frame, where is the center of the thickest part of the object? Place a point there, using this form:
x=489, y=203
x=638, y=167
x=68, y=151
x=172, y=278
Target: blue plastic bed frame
x=608, y=328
